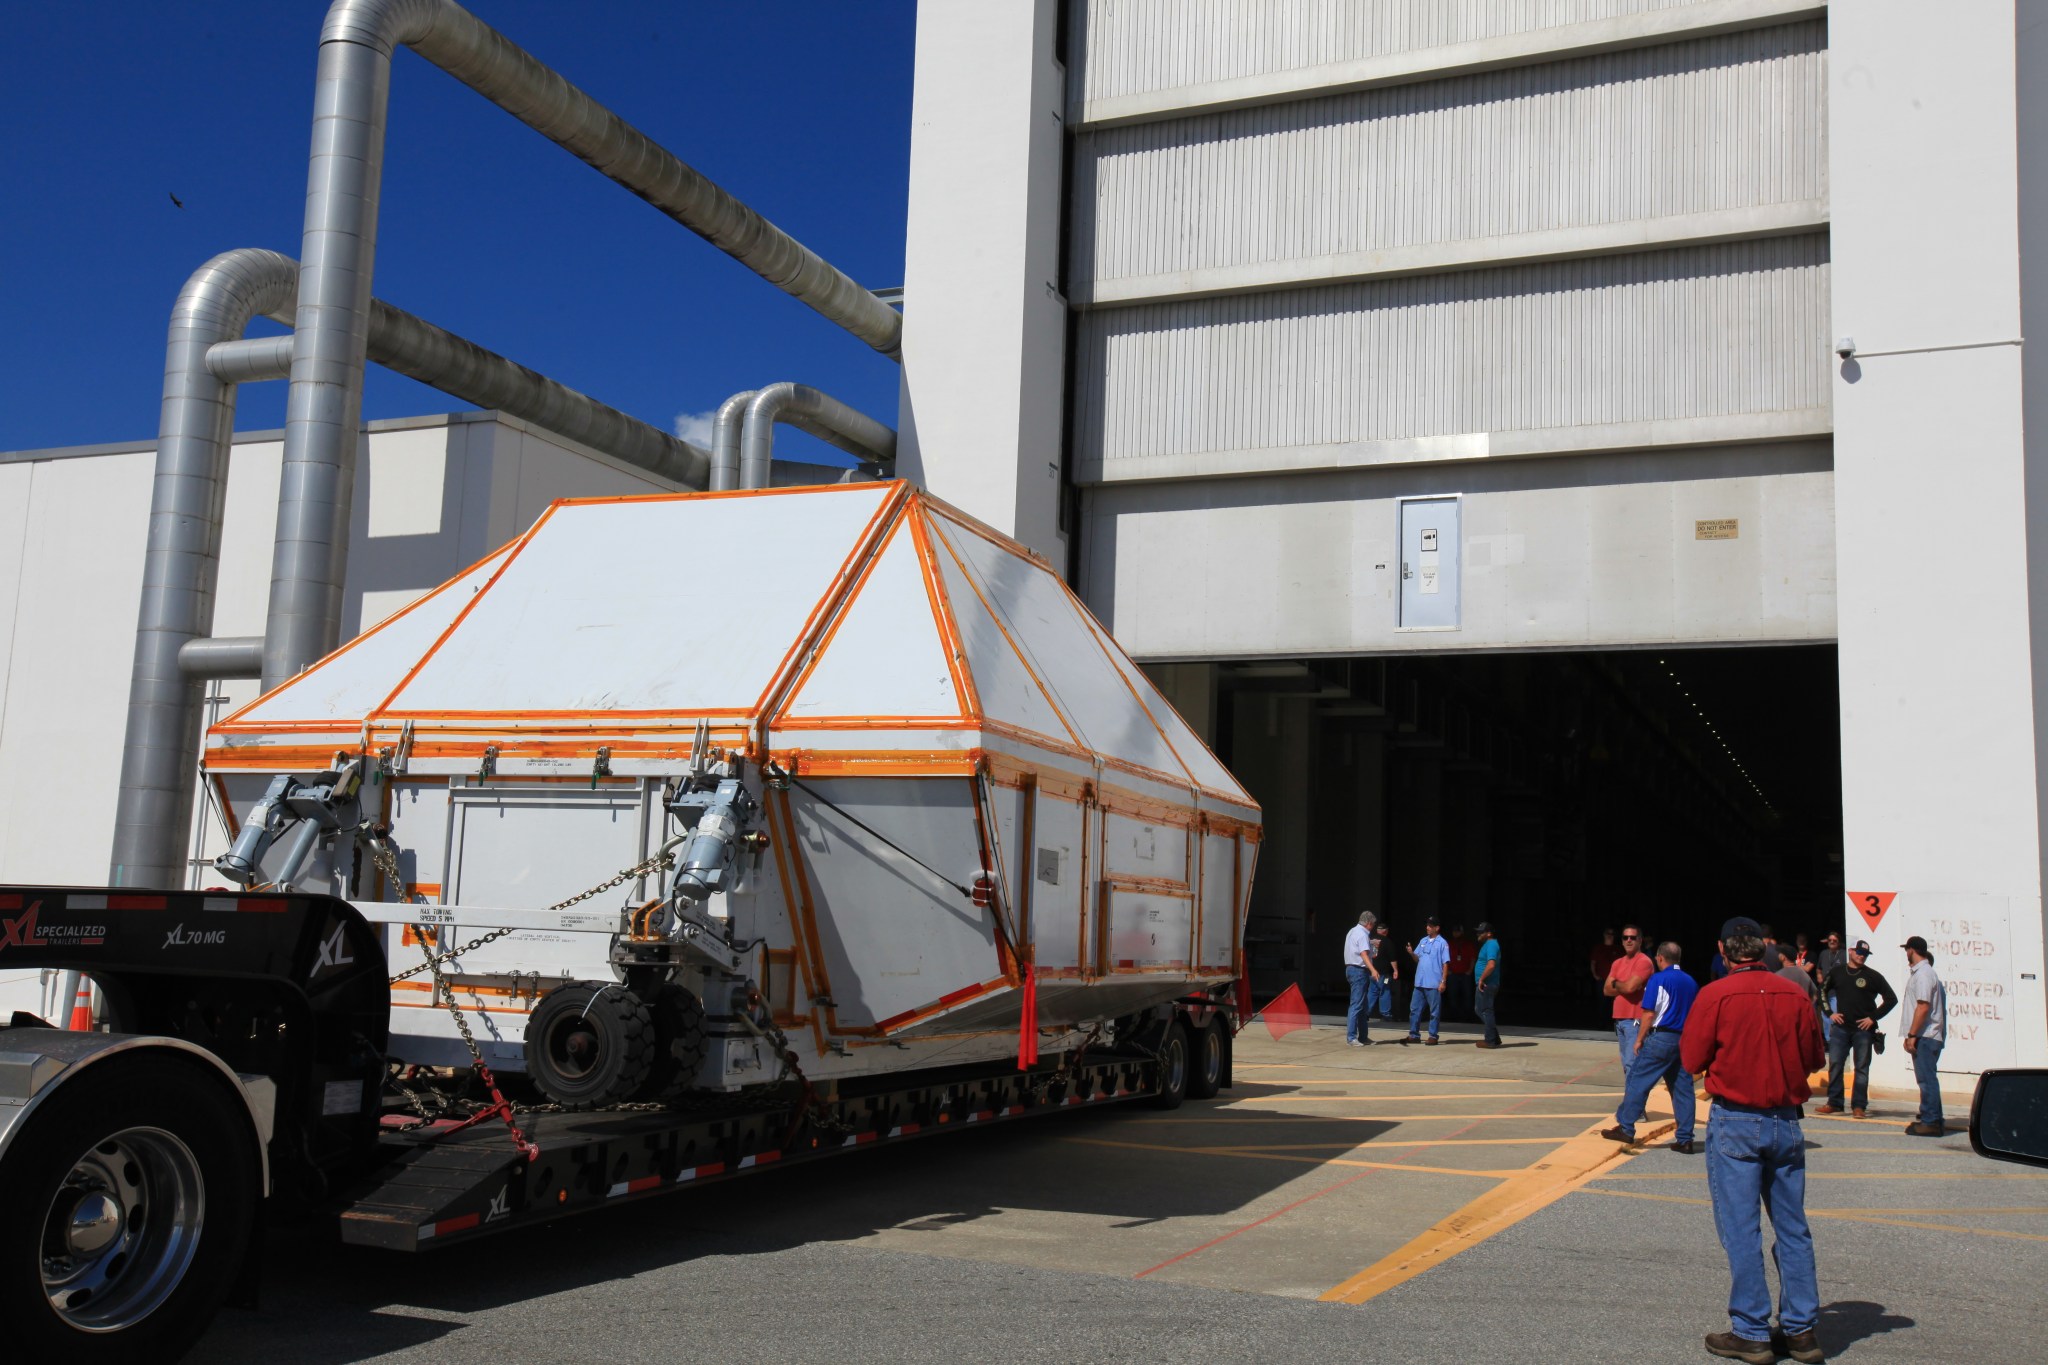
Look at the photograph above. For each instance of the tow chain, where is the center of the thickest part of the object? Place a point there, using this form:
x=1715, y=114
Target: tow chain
x=387, y=863
x=385, y=859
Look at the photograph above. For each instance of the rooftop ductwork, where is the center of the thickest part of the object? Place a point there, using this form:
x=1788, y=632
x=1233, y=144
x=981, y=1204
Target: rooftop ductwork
x=207, y=356
x=333, y=323
x=820, y=414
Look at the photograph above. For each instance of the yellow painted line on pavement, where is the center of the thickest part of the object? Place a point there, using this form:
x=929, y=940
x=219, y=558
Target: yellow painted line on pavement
x=1251, y=1155
x=1514, y=1199
x=1843, y=1217
x=1253, y=1101
x=1217, y=1116
x=1399, y=1080
x=1850, y=1175
x=1375, y=1143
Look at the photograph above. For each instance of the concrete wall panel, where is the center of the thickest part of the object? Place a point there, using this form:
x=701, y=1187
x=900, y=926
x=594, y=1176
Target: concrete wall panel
x=1734, y=121
x=1216, y=385
x=1135, y=46
x=1590, y=553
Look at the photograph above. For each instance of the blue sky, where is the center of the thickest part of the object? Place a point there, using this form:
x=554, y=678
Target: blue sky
x=800, y=107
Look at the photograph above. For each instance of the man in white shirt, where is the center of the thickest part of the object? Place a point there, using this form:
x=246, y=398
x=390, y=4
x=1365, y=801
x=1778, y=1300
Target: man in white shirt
x=1360, y=973
x=1926, y=1005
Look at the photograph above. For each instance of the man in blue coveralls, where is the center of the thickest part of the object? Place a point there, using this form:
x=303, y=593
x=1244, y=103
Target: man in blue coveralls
x=1667, y=1000
x=1432, y=961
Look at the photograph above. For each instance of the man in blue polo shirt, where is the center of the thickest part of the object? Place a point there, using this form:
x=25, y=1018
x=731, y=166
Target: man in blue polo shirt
x=1432, y=961
x=1667, y=1000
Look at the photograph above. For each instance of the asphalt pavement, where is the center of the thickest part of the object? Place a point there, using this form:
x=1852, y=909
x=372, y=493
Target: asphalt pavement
x=1461, y=1200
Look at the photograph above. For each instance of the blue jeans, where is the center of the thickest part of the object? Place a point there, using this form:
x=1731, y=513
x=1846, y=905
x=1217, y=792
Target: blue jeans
x=1379, y=997
x=1433, y=997
x=1847, y=1038
x=1361, y=983
x=1485, y=999
x=1758, y=1159
x=1926, y=1054
x=1658, y=1061
x=1625, y=1034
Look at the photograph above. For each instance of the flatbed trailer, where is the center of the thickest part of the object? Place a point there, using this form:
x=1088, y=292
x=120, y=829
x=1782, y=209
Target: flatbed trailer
x=247, y=1079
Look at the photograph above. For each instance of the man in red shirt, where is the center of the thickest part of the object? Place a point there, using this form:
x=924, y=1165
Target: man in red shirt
x=1626, y=977
x=1752, y=1039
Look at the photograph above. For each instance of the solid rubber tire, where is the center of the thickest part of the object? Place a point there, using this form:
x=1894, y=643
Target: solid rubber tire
x=1169, y=1094
x=618, y=1024
x=679, y=1043
x=1205, y=1062
x=154, y=1090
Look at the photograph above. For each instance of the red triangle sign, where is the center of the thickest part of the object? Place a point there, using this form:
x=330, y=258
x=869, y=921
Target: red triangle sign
x=1872, y=905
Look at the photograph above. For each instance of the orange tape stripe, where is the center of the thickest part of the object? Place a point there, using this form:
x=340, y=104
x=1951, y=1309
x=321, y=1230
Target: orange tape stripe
x=983, y=529
x=835, y=593
x=1029, y=671
x=392, y=619
x=696, y=495
x=467, y=607
x=942, y=612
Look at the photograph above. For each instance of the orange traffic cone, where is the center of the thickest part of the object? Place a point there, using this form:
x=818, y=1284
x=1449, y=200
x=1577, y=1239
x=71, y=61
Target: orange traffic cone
x=81, y=1008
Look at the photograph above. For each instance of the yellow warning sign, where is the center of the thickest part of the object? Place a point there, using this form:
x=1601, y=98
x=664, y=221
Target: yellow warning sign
x=1720, y=528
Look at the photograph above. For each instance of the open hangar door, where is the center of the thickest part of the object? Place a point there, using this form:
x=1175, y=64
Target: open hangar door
x=1552, y=794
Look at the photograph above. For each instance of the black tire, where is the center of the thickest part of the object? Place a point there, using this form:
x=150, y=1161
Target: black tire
x=1174, y=1067
x=589, y=1044
x=678, y=1043
x=1205, y=1074
x=171, y=1143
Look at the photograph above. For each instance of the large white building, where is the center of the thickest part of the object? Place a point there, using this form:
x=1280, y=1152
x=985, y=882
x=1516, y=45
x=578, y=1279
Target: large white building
x=1568, y=456
x=1434, y=392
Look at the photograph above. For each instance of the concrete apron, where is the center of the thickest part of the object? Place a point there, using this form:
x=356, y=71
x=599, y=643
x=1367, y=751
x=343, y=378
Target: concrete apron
x=1326, y=1172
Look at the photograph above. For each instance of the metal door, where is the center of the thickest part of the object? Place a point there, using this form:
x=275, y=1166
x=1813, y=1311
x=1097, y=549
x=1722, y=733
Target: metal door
x=1429, y=563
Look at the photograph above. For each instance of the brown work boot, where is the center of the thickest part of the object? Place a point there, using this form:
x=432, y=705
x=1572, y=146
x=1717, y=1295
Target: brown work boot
x=1617, y=1134
x=1686, y=1148
x=1858, y=1114
x=1731, y=1347
x=1803, y=1347
x=1828, y=1108
x=1925, y=1130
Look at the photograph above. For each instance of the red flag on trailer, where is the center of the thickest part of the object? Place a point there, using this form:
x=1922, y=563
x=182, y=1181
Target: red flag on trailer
x=1285, y=1013
x=1027, y=1021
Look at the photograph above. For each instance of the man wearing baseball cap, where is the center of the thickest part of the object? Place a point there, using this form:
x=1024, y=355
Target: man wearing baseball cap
x=1753, y=1038
x=1432, y=958
x=1861, y=997
x=1926, y=1032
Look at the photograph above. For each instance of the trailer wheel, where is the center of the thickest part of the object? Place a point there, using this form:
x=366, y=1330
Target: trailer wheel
x=131, y=1194
x=678, y=1043
x=589, y=1044
x=1205, y=1078
x=1173, y=1068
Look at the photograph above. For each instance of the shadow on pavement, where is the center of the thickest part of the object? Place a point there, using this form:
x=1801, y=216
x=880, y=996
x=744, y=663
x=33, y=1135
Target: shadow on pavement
x=1845, y=1323
x=332, y=1304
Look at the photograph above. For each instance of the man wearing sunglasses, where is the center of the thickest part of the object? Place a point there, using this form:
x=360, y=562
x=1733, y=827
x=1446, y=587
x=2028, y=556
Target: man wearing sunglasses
x=1624, y=985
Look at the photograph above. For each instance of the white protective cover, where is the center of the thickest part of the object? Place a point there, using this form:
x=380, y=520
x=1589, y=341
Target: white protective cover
x=861, y=617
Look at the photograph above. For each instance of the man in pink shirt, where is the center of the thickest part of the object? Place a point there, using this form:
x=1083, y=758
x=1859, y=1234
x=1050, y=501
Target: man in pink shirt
x=1624, y=985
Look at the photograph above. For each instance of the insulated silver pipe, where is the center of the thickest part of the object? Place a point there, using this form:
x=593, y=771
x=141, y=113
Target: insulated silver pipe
x=339, y=252
x=222, y=656
x=725, y=441
x=180, y=565
x=418, y=349
x=251, y=358
x=820, y=414
x=206, y=358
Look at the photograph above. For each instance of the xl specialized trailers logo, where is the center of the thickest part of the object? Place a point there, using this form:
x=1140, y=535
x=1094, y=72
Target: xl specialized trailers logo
x=27, y=930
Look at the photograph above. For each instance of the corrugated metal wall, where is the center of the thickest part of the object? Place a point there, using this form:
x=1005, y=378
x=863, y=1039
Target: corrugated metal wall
x=1706, y=331
x=1127, y=47
x=1732, y=121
